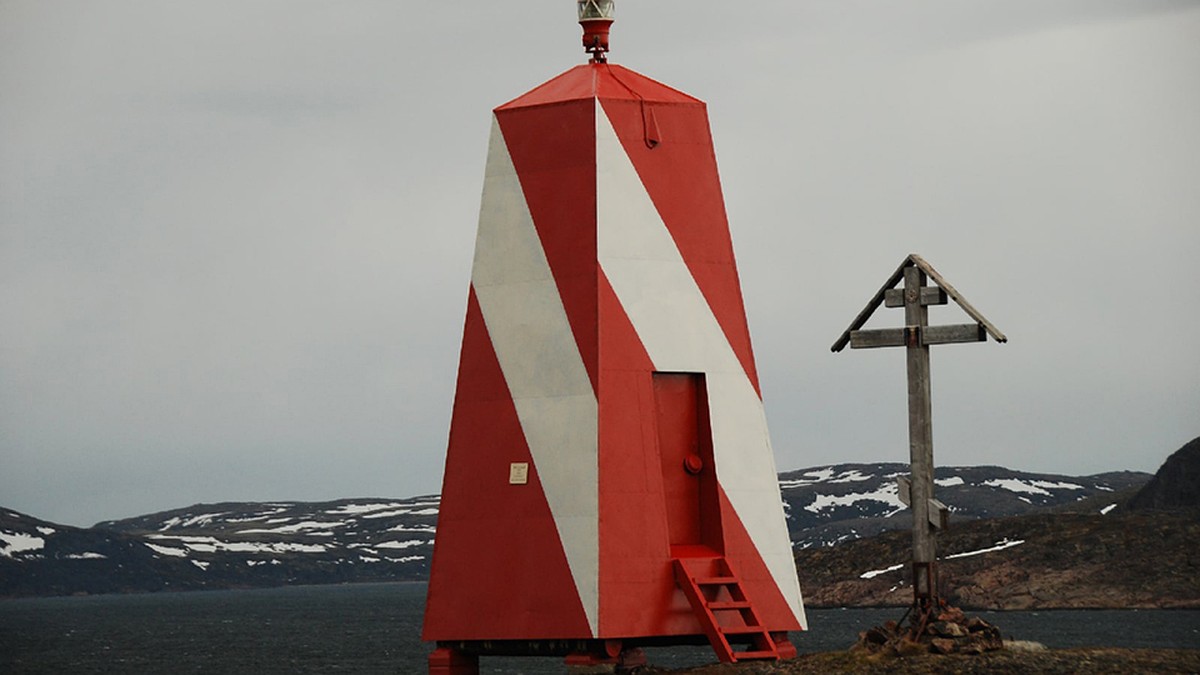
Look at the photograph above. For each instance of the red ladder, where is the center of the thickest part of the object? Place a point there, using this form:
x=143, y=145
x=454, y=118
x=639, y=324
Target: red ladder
x=724, y=611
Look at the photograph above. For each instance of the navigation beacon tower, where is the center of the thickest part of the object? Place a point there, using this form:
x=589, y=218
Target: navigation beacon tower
x=609, y=479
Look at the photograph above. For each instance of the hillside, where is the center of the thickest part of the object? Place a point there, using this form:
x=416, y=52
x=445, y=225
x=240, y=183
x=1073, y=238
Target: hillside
x=1048, y=560
x=1132, y=547
x=1176, y=483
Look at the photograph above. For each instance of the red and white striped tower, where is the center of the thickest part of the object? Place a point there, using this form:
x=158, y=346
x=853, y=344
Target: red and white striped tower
x=609, y=480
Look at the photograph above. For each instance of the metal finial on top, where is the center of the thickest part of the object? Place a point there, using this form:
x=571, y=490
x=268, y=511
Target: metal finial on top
x=596, y=17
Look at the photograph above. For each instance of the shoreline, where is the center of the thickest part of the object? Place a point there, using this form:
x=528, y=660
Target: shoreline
x=1190, y=606
x=1106, y=660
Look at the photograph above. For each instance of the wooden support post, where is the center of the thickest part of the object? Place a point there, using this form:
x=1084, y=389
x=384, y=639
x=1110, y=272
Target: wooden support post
x=920, y=439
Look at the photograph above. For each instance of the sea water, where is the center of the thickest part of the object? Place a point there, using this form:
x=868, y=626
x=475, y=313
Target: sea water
x=375, y=628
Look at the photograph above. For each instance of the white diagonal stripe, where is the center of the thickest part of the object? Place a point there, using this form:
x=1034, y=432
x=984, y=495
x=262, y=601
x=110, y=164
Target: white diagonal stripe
x=545, y=373
x=680, y=333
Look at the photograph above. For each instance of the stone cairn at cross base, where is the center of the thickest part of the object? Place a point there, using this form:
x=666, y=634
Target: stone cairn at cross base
x=949, y=631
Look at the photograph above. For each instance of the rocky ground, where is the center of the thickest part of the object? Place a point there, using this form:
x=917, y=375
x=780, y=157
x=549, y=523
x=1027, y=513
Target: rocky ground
x=1046, y=662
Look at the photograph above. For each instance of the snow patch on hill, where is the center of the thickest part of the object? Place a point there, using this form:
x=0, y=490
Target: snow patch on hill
x=213, y=545
x=826, y=475
x=19, y=542
x=999, y=546
x=167, y=550
x=887, y=494
x=298, y=527
x=1033, y=487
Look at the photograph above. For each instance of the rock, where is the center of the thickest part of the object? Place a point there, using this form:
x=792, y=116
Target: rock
x=973, y=648
x=942, y=645
x=875, y=636
x=946, y=629
x=988, y=640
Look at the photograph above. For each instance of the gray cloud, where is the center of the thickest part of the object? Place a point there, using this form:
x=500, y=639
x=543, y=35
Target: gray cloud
x=235, y=238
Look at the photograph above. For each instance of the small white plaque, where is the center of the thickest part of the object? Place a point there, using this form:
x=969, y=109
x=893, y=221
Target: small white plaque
x=518, y=473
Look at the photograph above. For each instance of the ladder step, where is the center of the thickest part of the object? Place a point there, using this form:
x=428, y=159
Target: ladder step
x=729, y=604
x=714, y=581
x=741, y=630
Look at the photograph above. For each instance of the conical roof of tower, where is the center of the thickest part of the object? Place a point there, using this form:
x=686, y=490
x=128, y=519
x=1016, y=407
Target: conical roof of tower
x=599, y=80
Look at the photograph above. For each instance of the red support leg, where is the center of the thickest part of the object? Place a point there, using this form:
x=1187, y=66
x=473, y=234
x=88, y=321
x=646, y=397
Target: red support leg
x=614, y=659
x=446, y=661
x=784, y=646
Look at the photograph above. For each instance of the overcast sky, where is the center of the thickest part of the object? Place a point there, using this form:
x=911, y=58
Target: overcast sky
x=235, y=237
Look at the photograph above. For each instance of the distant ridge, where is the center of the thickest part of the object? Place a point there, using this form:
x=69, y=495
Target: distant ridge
x=244, y=545
x=843, y=502
x=225, y=545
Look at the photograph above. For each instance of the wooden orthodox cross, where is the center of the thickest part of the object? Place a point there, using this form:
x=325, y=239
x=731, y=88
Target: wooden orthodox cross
x=929, y=515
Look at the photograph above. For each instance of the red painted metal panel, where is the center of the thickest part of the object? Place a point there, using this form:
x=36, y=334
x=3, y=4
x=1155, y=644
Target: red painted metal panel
x=637, y=591
x=498, y=571
x=554, y=153
x=680, y=174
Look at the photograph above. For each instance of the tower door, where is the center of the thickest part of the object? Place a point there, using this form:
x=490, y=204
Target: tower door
x=685, y=449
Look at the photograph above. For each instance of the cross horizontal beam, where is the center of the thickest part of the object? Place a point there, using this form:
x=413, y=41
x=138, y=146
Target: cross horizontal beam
x=962, y=332
x=917, y=335
x=879, y=337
